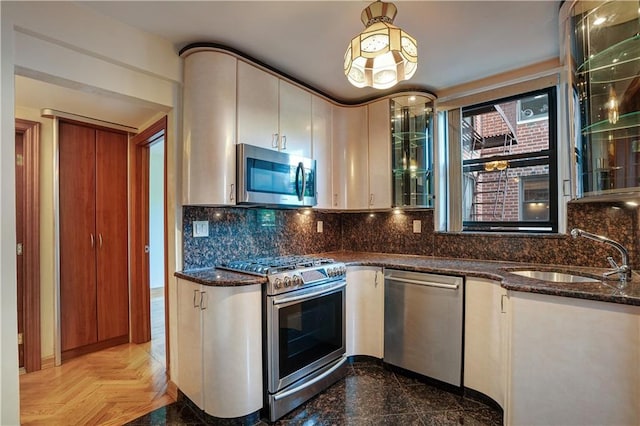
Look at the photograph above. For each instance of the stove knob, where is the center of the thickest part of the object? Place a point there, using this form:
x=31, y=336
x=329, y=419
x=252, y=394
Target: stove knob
x=343, y=270
x=287, y=281
x=332, y=272
x=297, y=280
x=277, y=283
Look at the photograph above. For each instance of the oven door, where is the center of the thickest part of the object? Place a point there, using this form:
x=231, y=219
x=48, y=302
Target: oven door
x=305, y=331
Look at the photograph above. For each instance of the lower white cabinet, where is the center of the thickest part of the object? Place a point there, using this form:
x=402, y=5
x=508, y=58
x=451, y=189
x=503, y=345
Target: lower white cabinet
x=573, y=362
x=220, y=348
x=485, y=338
x=365, y=311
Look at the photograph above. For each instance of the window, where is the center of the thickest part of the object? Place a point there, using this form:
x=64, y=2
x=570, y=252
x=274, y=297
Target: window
x=509, y=172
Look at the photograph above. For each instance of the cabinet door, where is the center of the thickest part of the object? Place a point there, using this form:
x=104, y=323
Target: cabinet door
x=190, y=372
x=573, y=362
x=484, y=347
x=112, y=270
x=77, y=157
x=257, y=107
x=350, y=153
x=209, y=129
x=295, y=120
x=379, y=154
x=365, y=315
x=321, y=152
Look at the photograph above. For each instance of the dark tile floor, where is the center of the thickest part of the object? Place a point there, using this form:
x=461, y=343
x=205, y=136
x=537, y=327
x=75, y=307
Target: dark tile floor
x=370, y=395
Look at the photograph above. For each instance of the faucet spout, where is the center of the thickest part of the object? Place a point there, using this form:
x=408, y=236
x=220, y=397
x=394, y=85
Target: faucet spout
x=623, y=270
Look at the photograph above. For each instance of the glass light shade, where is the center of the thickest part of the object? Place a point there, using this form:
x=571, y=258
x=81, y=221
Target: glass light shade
x=382, y=54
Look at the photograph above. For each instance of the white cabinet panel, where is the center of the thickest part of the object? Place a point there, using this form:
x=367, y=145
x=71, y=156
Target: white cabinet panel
x=257, y=107
x=209, y=128
x=365, y=311
x=321, y=150
x=573, y=362
x=295, y=120
x=350, y=158
x=272, y=113
x=379, y=154
x=485, y=338
x=220, y=348
x=190, y=378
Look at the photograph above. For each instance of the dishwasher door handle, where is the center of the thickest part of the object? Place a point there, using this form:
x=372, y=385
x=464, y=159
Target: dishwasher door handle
x=424, y=283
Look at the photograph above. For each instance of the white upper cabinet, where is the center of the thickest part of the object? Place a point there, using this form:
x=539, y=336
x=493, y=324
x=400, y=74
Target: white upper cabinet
x=272, y=113
x=321, y=133
x=295, y=120
x=350, y=158
x=379, y=154
x=209, y=128
x=362, y=157
x=257, y=107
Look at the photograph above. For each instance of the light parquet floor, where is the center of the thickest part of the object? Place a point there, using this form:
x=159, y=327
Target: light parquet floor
x=110, y=387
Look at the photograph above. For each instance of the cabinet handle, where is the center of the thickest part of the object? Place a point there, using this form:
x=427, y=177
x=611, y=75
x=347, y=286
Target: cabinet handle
x=335, y=200
x=195, y=294
x=232, y=192
x=100, y=239
x=203, y=300
x=92, y=240
x=502, y=311
x=371, y=199
x=274, y=140
x=284, y=141
x=376, y=280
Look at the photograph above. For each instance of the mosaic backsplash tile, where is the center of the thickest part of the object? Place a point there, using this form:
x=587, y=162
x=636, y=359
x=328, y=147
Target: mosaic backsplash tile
x=237, y=233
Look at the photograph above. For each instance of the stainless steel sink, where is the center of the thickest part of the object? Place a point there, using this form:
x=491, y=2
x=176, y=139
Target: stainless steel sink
x=557, y=277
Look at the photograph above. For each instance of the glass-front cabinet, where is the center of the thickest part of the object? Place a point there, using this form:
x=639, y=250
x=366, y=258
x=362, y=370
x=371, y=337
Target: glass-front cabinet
x=604, y=57
x=412, y=151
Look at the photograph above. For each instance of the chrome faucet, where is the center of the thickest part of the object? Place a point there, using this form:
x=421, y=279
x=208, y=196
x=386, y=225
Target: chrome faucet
x=624, y=270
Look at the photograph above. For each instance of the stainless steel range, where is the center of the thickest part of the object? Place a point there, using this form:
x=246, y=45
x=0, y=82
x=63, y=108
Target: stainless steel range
x=304, y=327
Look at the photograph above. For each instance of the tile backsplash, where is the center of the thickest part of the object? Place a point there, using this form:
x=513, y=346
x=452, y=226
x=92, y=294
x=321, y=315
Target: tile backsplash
x=237, y=233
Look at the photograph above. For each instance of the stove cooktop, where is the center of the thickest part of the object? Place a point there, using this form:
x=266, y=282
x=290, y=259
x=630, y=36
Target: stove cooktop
x=266, y=266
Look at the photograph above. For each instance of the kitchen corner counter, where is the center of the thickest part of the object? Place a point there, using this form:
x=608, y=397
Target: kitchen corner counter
x=604, y=291
x=219, y=277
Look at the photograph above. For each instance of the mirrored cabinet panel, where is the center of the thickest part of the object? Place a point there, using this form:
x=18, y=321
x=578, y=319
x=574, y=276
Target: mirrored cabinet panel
x=605, y=57
x=412, y=151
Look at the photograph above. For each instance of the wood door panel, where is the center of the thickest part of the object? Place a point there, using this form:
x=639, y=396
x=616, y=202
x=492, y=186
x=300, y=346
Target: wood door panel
x=20, y=212
x=77, y=181
x=112, y=229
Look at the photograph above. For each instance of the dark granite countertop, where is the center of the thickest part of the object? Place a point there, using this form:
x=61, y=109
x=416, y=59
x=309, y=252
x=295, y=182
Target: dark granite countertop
x=494, y=270
x=219, y=277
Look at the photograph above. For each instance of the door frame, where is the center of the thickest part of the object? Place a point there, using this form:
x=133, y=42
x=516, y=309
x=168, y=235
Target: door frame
x=30, y=131
x=139, y=219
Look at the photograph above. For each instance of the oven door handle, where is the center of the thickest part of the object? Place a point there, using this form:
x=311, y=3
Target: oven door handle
x=309, y=295
x=311, y=382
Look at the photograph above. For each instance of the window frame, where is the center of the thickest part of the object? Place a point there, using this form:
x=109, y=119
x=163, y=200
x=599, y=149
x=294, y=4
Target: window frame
x=548, y=156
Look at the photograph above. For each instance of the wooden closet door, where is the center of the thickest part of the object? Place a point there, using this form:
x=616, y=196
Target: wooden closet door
x=77, y=157
x=112, y=228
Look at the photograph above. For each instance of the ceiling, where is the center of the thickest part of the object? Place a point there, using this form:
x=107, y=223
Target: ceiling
x=458, y=41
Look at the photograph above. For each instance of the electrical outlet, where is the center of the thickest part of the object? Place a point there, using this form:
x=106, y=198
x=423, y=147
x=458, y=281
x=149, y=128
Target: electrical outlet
x=417, y=226
x=319, y=226
x=200, y=228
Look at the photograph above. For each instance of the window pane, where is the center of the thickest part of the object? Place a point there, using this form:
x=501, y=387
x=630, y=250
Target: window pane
x=507, y=155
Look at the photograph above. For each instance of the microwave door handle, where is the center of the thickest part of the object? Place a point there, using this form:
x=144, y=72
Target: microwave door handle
x=299, y=192
x=304, y=182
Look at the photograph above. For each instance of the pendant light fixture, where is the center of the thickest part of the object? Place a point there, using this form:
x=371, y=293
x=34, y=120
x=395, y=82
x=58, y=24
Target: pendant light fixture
x=382, y=54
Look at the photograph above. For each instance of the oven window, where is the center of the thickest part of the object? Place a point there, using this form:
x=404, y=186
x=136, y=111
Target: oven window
x=309, y=331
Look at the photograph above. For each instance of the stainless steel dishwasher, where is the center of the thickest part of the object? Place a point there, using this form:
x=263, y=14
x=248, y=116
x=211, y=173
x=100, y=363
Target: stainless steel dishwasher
x=423, y=324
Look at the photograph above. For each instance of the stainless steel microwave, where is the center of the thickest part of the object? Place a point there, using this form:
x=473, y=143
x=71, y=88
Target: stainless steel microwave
x=273, y=177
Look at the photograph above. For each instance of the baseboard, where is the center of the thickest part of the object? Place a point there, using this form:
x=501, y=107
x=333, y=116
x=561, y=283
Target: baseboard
x=172, y=390
x=47, y=362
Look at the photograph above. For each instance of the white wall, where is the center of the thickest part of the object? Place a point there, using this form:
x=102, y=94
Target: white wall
x=69, y=45
x=156, y=214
